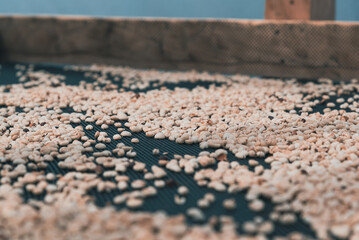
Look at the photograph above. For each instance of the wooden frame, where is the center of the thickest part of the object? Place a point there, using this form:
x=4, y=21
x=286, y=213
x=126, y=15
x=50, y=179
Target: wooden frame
x=265, y=48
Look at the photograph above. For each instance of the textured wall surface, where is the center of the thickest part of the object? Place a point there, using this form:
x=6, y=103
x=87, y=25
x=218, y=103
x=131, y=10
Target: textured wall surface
x=266, y=48
x=347, y=10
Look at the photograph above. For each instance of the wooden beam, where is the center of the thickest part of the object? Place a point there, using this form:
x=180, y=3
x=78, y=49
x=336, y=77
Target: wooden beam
x=300, y=9
x=264, y=48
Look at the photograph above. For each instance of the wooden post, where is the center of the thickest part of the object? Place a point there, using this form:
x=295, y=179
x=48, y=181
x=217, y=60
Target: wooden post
x=300, y=9
x=322, y=10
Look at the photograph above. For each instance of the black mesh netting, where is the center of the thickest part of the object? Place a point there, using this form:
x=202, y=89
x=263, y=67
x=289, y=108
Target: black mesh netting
x=164, y=200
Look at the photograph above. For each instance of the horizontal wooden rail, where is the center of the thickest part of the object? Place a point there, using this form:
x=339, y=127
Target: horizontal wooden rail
x=301, y=49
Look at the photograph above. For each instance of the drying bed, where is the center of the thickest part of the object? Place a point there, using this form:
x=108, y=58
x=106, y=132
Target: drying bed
x=277, y=158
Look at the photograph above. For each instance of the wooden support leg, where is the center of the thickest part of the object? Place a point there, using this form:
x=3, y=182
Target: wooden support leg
x=322, y=10
x=300, y=9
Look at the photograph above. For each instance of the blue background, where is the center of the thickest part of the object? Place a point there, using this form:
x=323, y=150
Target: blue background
x=346, y=10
